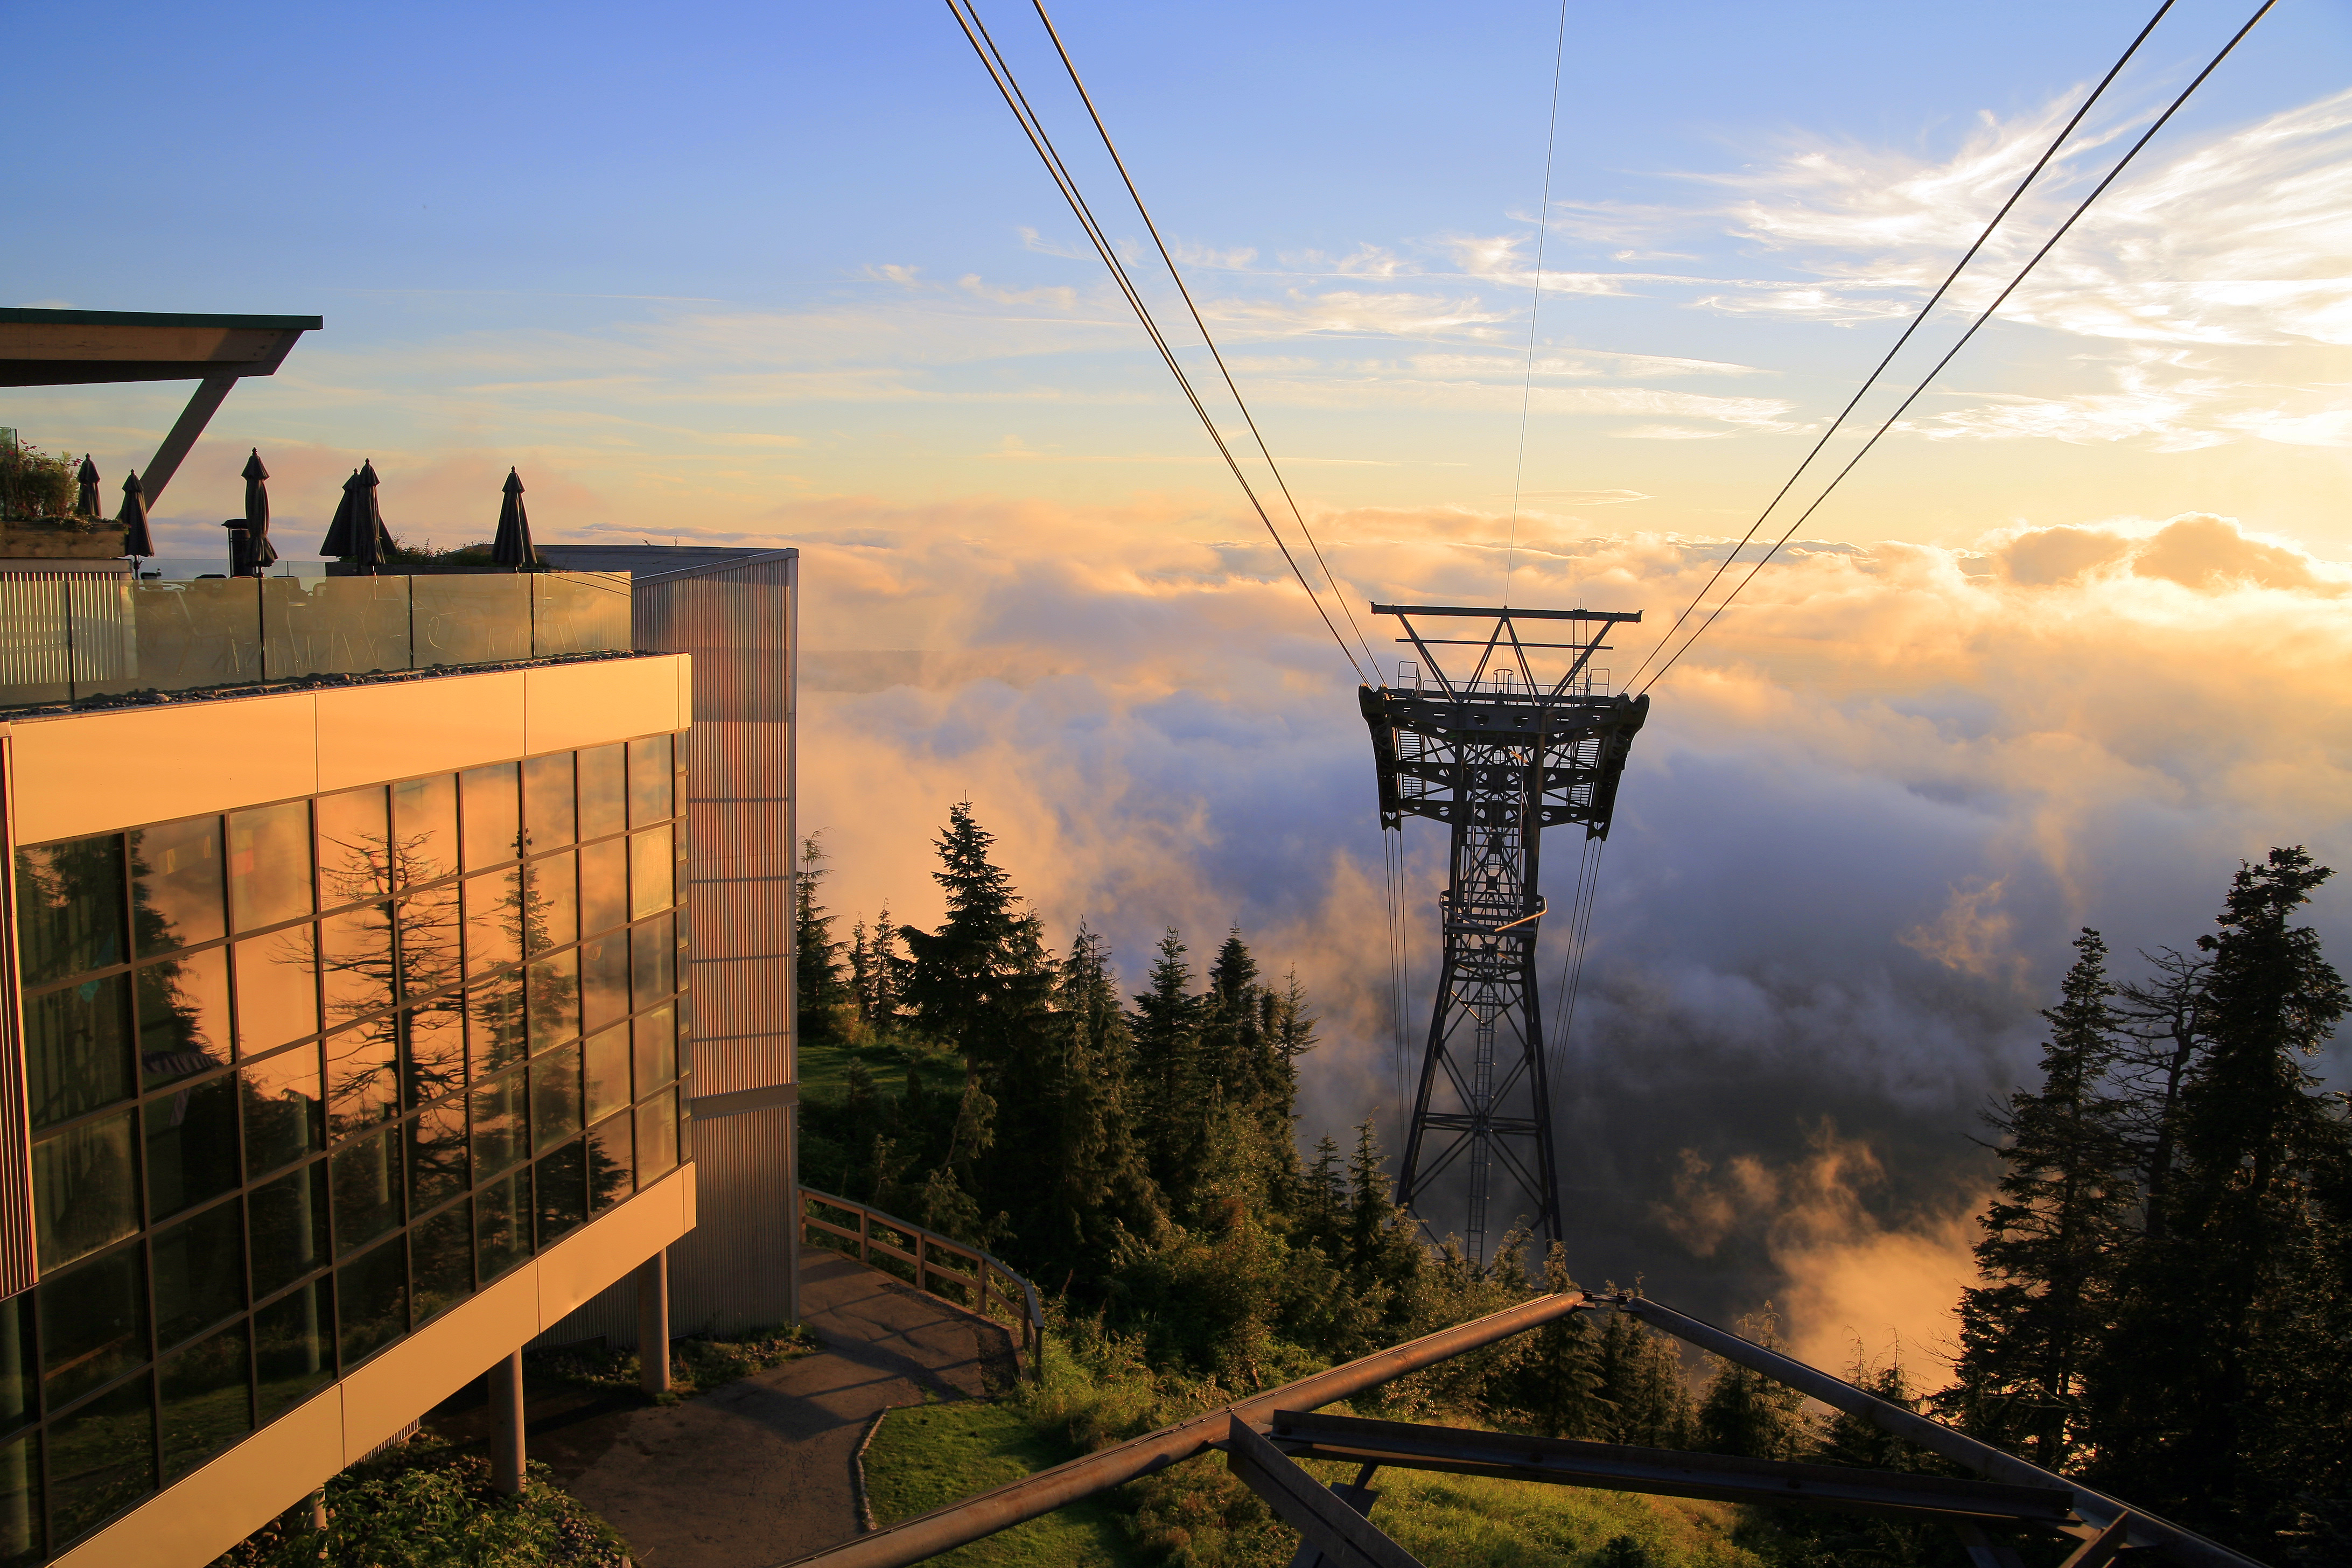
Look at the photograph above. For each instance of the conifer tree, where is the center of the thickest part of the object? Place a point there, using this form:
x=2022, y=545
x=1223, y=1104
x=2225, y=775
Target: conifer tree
x=1642, y=1396
x=1745, y=1412
x=1166, y=1028
x=978, y=980
x=1102, y=1183
x=823, y=993
x=1560, y=1379
x=2163, y=1036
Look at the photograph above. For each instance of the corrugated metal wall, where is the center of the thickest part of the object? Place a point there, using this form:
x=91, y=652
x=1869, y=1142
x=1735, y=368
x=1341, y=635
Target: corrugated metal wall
x=739, y=619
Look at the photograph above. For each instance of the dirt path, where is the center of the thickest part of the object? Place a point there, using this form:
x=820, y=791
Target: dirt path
x=760, y=1472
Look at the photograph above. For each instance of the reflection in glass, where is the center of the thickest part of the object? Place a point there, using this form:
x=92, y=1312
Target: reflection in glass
x=441, y=1257
x=20, y=1500
x=551, y=902
x=559, y=1192
x=85, y=1190
x=607, y=1057
x=649, y=873
x=269, y=864
x=78, y=1054
x=374, y=1294
x=604, y=979
x=603, y=790
x=363, y=1076
x=287, y=1218
x=657, y=1137
x=178, y=883
x=494, y=1024
x=555, y=999
x=498, y=1133
x=652, y=958
x=355, y=847
x=199, y=1274
x=365, y=1177
x=206, y=1404
x=548, y=816
x=424, y=827
x=431, y=941
x=649, y=780
x=356, y=963
x=493, y=920
x=93, y=1325
x=435, y=1049
x=503, y=1223
x=554, y=1098
x=604, y=886
x=436, y=1155
x=293, y=1346
x=18, y=1367
x=656, y=1047
x=182, y=1015
x=101, y=1458
x=493, y=815
x=284, y=1116
x=276, y=990
x=69, y=908
x=190, y=1146
x=612, y=1163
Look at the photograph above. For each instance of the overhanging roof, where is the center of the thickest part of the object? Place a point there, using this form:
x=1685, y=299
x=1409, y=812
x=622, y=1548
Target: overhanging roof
x=71, y=348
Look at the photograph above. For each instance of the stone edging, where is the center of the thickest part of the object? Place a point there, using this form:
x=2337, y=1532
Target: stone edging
x=866, y=1525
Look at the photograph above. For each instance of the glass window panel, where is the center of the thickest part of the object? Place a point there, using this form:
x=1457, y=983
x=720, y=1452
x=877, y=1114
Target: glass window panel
x=424, y=827
x=18, y=1366
x=78, y=1052
x=199, y=1273
x=555, y=999
x=284, y=1116
x=288, y=1219
x=441, y=1257
x=276, y=990
x=190, y=1146
x=372, y=1292
x=649, y=781
x=652, y=960
x=607, y=1057
x=294, y=1346
x=355, y=847
x=649, y=873
x=604, y=979
x=603, y=790
x=494, y=1024
x=559, y=1192
x=269, y=864
x=85, y=1190
x=503, y=1223
x=547, y=809
x=363, y=1076
x=365, y=1177
x=554, y=1098
x=101, y=1458
x=612, y=1163
x=551, y=909
x=434, y=1049
x=69, y=907
x=493, y=920
x=93, y=1325
x=493, y=815
x=436, y=1155
x=20, y=1501
x=178, y=885
x=206, y=1405
x=657, y=1138
x=431, y=942
x=182, y=1015
x=498, y=1136
x=656, y=1047
x=604, y=886
x=356, y=963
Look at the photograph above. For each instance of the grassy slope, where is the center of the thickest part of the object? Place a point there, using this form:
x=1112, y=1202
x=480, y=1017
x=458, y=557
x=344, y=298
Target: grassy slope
x=925, y=1456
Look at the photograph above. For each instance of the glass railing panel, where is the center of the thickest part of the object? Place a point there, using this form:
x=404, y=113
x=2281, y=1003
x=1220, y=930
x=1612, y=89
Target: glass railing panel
x=579, y=611
x=336, y=625
x=104, y=633
x=34, y=667
x=471, y=618
x=189, y=636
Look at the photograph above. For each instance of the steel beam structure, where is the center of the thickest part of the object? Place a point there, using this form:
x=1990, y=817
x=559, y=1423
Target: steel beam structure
x=1498, y=751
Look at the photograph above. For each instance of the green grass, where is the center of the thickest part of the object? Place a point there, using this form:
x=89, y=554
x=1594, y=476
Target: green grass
x=925, y=1456
x=1471, y=1522
x=823, y=1069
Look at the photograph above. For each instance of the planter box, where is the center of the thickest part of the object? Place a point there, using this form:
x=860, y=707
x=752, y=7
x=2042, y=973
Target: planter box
x=61, y=541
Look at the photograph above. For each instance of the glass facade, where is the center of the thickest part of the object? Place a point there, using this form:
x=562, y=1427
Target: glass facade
x=302, y=1077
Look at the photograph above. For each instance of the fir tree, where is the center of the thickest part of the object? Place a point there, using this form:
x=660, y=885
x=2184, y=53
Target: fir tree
x=1642, y=1399
x=975, y=982
x=1166, y=1030
x=1745, y=1412
x=2163, y=1037
x=823, y=993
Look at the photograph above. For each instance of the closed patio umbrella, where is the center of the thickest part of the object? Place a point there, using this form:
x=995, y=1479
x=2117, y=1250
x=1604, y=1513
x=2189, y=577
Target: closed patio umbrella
x=369, y=543
x=87, y=503
x=511, y=547
x=136, y=540
x=338, y=542
x=260, y=552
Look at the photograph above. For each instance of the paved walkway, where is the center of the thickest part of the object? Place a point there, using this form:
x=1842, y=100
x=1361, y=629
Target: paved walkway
x=760, y=1472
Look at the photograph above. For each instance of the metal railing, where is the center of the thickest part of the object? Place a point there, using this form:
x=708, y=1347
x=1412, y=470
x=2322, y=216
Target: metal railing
x=67, y=636
x=989, y=1285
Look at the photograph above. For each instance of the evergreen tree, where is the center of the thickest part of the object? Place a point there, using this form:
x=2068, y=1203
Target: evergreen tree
x=977, y=982
x=1166, y=1027
x=2163, y=1035
x=1103, y=1186
x=1743, y=1412
x=2053, y=1234
x=1560, y=1379
x=825, y=1000
x=1641, y=1395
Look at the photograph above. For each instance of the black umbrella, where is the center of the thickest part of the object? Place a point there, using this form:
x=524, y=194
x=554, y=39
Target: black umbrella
x=369, y=543
x=87, y=504
x=338, y=533
x=135, y=537
x=512, y=545
x=260, y=552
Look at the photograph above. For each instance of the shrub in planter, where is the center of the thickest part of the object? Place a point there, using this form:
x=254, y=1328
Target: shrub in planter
x=34, y=485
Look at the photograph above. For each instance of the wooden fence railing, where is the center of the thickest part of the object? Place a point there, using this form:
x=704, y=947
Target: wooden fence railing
x=892, y=1245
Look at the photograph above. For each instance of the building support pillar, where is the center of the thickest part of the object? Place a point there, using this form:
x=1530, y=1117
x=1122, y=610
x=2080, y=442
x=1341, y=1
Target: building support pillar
x=653, y=1323
x=507, y=1424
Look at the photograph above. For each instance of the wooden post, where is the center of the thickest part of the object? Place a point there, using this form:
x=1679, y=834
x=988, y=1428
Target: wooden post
x=507, y=1424
x=653, y=1323
x=866, y=1237
x=922, y=1265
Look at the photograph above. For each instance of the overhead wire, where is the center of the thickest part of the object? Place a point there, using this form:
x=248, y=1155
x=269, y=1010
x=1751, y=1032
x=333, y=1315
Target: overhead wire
x=1927, y=380
x=1917, y=321
x=1535, y=306
x=1008, y=86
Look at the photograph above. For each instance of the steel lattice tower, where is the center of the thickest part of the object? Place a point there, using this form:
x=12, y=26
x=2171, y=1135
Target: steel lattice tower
x=1498, y=754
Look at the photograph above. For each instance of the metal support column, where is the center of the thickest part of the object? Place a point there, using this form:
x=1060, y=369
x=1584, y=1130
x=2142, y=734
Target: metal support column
x=653, y=1323
x=507, y=1424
